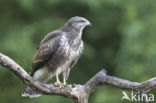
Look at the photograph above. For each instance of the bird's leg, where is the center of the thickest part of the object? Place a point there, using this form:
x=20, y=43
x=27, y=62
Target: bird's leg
x=58, y=83
x=64, y=82
x=57, y=79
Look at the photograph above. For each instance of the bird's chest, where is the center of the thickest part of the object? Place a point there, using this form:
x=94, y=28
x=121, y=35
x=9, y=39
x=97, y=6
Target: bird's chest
x=71, y=48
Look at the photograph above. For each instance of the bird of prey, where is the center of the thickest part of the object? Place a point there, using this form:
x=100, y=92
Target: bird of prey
x=57, y=53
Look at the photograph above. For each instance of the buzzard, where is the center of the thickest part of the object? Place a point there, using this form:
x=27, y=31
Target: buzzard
x=57, y=53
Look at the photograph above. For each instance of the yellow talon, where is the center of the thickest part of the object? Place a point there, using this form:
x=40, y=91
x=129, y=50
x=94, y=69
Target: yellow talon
x=65, y=84
x=58, y=83
x=69, y=86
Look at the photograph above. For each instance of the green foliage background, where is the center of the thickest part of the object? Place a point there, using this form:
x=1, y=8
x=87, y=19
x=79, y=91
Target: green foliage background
x=122, y=40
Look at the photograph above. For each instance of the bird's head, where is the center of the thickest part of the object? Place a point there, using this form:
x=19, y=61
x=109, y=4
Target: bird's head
x=78, y=23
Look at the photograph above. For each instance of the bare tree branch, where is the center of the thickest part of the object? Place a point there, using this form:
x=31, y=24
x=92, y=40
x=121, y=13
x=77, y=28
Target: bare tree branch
x=79, y=93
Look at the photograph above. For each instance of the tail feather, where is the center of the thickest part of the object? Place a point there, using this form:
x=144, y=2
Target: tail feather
x=42, y=75
x=29, y=92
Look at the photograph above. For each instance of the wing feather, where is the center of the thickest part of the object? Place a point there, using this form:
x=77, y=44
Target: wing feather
x=46, y=49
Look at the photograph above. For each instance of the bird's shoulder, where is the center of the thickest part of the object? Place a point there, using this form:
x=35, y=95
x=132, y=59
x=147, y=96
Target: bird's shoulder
x=52, y=35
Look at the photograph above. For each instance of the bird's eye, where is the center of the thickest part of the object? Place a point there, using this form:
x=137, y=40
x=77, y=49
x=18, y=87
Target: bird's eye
x=82, y=21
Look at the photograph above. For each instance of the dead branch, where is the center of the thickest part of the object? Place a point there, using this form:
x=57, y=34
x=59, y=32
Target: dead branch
x=79, y=93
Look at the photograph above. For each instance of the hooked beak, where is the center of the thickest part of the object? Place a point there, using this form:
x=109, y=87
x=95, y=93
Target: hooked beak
x=89, y=24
